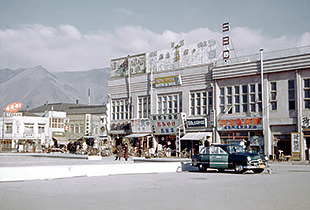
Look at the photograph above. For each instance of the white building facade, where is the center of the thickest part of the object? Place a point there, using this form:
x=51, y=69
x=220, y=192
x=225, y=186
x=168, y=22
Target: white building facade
x=263, y=100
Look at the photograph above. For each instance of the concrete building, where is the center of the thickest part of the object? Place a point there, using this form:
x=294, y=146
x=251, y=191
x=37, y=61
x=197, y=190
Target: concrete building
x=82, y=122
x=26, y=132
x=262, y=99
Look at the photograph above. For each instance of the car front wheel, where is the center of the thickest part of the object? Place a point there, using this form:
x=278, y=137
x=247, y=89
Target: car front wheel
x=239, y=168
x=202, y=168
x=258, y=170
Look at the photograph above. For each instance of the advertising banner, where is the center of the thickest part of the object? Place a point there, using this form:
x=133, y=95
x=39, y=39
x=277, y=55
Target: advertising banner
x=120, y=67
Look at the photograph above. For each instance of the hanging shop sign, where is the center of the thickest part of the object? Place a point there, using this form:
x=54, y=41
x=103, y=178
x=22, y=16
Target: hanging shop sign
x=248, y=123
x=296, y=146
x=141, y=125
x=168, y=81
x=305, y=122
x=195, y=123
x=167, y=123
x=132, y=65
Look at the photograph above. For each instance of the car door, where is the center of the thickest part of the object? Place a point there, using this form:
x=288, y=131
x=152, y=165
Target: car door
x=218, y=158
x=204, y=155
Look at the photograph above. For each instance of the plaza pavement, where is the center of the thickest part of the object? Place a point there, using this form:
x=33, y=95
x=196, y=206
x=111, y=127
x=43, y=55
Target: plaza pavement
x=27, y=166
x=40, y=166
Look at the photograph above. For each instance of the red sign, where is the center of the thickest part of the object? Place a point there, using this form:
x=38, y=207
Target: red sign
x=13, y=108
x=240, y=124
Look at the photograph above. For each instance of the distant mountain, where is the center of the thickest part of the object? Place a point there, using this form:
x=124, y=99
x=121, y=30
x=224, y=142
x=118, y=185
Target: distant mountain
x=36, y=86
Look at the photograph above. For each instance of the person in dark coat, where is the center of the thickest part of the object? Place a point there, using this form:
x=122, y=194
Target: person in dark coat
x=126, y=152
x=119, y=152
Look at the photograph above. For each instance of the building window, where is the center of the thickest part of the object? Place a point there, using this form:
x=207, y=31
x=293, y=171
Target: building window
x=252, y=98
x=41, y=128
x=273, y=95
x=307, y=93
x=291, y=95
x=237, y=99
x=120, y=109
x=259, y=98
x=222, y=100
x=200, y=103
x=144, y=107
x=171, y=103
x=8, y=128
x=229, y=99
x=245, y=98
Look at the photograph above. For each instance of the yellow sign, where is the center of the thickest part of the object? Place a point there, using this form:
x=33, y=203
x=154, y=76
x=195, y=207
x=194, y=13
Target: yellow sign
x=168, y=81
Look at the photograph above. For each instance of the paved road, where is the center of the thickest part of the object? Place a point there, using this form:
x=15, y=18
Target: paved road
x=288, y=187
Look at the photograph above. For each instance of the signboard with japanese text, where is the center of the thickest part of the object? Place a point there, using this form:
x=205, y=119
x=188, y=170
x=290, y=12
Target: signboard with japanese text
x=180, y=56
x=168, y=81
x=141, y=125
x=120, y=127
x=305, y=122
x=120, y=67
x=248, y=123
x=296, y=146
x=195, y=123
x=167, y=123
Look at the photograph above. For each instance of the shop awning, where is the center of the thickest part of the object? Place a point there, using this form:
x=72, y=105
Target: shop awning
x=137, y=135
x=61, y=140
x=196, y=136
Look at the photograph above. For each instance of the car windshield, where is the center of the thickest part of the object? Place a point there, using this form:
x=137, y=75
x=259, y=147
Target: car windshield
x=235, y=149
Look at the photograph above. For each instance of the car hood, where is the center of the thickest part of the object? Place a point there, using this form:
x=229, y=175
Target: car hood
x=254, y=156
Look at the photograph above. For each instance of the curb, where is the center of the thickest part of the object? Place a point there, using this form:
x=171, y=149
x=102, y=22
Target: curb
x=9, y=174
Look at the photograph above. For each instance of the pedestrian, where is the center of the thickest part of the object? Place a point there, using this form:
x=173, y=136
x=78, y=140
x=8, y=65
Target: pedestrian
x=119, y=152
x=126, y=152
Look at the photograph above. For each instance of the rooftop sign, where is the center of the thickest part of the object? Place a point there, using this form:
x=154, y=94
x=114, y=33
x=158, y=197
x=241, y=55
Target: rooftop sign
x=13, y=108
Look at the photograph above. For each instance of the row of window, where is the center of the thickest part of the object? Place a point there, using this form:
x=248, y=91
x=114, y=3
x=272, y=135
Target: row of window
x=28, y=128
x=245, y=98
x=241, y=98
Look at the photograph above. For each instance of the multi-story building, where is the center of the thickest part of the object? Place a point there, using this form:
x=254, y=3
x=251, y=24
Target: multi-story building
x=261, y=100
x=26, y=132
x=265, y=101
x=83, y=121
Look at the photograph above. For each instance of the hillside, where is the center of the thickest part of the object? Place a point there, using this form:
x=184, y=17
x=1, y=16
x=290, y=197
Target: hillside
x=36, y=86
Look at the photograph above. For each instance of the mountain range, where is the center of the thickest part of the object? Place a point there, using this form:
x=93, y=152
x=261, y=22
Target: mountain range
x=36, y=86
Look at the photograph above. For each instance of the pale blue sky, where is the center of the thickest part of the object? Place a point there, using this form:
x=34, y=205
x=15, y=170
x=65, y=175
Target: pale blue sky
x=278, y=21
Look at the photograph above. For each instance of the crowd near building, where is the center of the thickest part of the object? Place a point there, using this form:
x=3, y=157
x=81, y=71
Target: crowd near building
x=181, y=99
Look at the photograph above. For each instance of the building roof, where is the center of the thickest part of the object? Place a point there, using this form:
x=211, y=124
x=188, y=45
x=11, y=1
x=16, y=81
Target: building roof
x=70, y=109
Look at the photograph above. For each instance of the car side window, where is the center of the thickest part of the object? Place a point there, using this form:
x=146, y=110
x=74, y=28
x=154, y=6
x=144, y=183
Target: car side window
x=221, y=151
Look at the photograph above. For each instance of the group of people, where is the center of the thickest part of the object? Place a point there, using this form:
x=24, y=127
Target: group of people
x=122, y=151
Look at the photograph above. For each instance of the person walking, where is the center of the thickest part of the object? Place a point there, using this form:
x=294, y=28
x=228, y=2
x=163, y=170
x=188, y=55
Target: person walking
x=126, y=152
x=119, y=152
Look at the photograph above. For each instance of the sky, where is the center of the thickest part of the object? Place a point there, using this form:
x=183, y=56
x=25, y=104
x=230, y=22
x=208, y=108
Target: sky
x=77, y=35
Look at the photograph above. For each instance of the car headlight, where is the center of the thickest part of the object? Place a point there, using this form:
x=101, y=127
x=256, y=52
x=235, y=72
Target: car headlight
x=248, y=158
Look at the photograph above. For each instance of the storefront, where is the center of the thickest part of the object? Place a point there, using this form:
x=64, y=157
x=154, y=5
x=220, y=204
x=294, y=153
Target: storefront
x=166, y=129
x=248, y=130
x=118, y=131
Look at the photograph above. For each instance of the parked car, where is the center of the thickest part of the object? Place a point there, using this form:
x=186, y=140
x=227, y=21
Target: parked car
x=225, y=156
